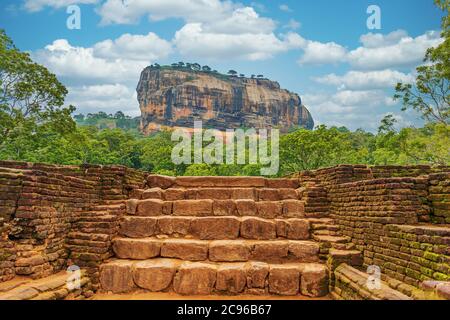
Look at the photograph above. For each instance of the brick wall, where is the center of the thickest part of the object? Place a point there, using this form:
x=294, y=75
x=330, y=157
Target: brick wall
x=40, y=204
x=390, y=219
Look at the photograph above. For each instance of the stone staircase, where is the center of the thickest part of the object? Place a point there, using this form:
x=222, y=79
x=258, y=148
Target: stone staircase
x=223, y=235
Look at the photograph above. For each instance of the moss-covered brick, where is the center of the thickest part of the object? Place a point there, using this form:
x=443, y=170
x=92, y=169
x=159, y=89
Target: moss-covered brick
x=414, y=244
x=431, y=256
x=416, y=252
x=440, y=276
x=412, y=273
x=410, y=237
x=426, y=247
x=426, y=271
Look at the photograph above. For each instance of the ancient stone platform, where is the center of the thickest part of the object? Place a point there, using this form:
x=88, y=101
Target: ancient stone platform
x=312, y=235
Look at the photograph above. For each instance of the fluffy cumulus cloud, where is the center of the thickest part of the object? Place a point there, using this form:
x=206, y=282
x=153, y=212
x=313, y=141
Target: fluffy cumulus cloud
x=107, y=97
x=193, y=41
x=359, y=80
x=394, y=50
x=110, y=60
x=322, y=53
x=351, y=108
x=104, y=75
x=364, y=93
x=134, y=47
x=37, y=5
x=131, y=11
x=377, y=52
x=213, y=29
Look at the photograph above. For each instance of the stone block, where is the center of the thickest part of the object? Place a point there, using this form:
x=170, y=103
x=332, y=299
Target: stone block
x=156, y=274
x=117, y=276
x=257, y=273
x=138, y=227
x=178, y=226
x=153, y=193
x=304, y=251
x=163, y=182
x=243, y=193
x=213, y=193
x=185, y=249
x=270, y=251
x=284, y=280
x=173, y=194
x=229, y=251
x=266, y=194
x=246, y=207
x=295, y=229
x=231, y=278
x=215, y=228
x=152, y=207
x=293, y=209
x=137, y=249
x=282, y=183
x=314, y=280
x=269, y=209
x=192, y=207
x=131, y=206
x=259, y=229
x=195, y=278
x=224, y=208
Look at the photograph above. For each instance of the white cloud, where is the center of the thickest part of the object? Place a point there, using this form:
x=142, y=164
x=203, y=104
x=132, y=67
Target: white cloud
x=135, y=47
x=377, y=40
x=108, y=70
x=108, y=98
x=37, y=5
x=351, y=108
x=322, y=53
x=285, y=8
x=193, y=40
x=213, y=29
x=293, y=24
x=241, y=20
x=357, y=80
x=362, y=98
x=129, y=12
x=121, y=59
x=393, y=50
x=378, y=51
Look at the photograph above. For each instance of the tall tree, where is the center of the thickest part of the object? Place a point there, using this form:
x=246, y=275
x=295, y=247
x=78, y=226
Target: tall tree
x=430, y=94
x=31, y=97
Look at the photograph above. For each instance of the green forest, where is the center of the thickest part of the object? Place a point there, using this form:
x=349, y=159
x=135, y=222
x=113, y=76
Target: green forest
x=36, y=126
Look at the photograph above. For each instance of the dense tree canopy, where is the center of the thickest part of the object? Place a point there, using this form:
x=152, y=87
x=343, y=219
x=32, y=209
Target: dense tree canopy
x=31, y=101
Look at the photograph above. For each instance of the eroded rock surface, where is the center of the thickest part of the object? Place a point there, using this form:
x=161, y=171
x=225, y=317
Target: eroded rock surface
x=176, y=98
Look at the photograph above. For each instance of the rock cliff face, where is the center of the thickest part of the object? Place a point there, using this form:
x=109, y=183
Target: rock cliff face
x=175, y=98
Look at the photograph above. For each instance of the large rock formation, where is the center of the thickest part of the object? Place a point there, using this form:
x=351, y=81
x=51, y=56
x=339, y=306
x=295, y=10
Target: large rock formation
x=175, y=97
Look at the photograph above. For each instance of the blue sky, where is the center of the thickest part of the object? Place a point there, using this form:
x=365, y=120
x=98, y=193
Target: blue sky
x=320, y=49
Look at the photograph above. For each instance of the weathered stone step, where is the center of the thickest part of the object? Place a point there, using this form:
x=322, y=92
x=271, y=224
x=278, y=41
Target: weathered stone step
x=89, y=236
x=53, y=287
x=215, y=228
x=275, y=251
x=331, y=239
x=206, y=207
x=200, y=278
x=351, y=283
x=324, y=226
x=109, y=207
x=326, y=232
x=189, y=182
x=114, y=202
x=257, y=194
